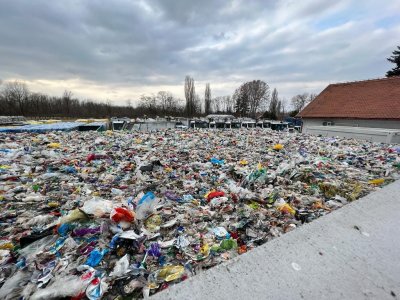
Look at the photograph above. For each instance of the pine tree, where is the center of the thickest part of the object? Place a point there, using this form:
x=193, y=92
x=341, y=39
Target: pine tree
x=395, y=58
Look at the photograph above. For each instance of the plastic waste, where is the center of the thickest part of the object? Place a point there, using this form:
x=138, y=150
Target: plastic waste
x=97, y=207
x=95, y=257
x=217, y=161
x=377, y=181
x=153, y=222
x=228, y=244
x=146, y=206
x=74, y=215
x=277, y=147
x=119, y=214
x=125, y=214
x=215, y=194
x=54, y=145
x=284, y=207
x=121, y=267
x=96, y=289
x=170, y=273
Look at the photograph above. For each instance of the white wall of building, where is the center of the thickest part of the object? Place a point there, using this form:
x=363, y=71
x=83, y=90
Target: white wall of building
x=352, y=122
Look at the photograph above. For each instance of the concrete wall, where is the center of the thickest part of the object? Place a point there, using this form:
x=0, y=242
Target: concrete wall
x=377, y=135
x=353, y=122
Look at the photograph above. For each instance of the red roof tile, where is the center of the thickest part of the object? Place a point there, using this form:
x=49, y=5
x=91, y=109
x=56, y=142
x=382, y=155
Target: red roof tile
x=369, y=99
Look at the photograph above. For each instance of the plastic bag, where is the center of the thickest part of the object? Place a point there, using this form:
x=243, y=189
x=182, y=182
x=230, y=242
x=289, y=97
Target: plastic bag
x=170, y=273
x=215, y=194
x=97, y=207
x=121, y=267
x=146, y=206
x=95, y=257
x=74, y=215
x=119, y=214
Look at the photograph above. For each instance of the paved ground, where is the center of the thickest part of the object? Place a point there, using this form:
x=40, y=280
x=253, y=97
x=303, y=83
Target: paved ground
x=352, y=253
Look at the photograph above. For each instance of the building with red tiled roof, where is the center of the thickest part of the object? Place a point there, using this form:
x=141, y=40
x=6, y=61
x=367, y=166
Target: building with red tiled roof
x=370, y=103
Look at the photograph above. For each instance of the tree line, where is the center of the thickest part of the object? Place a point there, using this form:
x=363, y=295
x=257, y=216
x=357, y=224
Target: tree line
x=251, y=99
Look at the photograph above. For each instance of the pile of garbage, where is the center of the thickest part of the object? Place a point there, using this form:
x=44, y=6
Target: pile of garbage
x=118, y=215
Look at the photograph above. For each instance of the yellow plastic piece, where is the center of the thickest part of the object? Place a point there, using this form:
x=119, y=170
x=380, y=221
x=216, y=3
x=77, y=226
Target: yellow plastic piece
x=7, y=246
x=377, y=181
x=205, y=250
x=153, y=222
x=287, y=209
x=74, y=215
x=170, y=273
x=278, y=147
x=54, y=145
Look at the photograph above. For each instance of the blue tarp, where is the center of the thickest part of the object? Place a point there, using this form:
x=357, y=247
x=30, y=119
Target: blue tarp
x=61, y=126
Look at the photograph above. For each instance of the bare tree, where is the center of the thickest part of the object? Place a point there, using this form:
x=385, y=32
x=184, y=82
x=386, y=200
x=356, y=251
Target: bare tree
x=241, y=101
x=197, y=105
x=301, y=100
x=279, y=110
x=190, y=95
x=223, y=104
x=15, y=99
x=312, y=97
x=258, y=96
x=251, y=97
x=283, y=107
x=230, y=104
x=207, y=99
x=66, y=101
x=109, y=108
x=149, y=104
x=172, y=104
x=216, y=105
x=16, y=94
x=273, y=110
x=164, y=100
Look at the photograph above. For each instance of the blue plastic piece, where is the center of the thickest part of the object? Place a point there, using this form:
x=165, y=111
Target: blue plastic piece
x=95, y=257
x=63, y=229
x=217, y=161
x=149, y=196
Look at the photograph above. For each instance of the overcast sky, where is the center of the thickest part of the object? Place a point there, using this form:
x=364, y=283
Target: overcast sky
x=119, y=50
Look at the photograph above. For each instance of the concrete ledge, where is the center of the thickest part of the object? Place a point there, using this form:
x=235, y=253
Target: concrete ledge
x=352, y=253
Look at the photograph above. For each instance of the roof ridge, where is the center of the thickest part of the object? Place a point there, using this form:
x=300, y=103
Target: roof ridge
x=366, y=80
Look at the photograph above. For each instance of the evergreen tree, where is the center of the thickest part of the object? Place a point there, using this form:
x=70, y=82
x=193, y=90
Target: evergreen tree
x=395, y=58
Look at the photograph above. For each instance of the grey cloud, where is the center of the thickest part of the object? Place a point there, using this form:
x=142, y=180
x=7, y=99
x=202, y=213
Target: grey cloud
x=157, y=42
